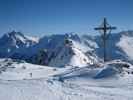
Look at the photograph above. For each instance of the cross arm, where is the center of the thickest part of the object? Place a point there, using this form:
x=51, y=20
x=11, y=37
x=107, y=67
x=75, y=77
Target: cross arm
x=111, y=28
x=107, y=28
x=98, y=28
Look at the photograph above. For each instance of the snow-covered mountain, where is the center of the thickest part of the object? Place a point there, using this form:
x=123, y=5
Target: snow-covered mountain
x=78, y=79
x=70, y=54
x=119, y=46
x=15, y=43
x=74, y=52
x=82, y=50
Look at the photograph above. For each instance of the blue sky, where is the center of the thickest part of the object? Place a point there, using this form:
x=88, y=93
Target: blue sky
x=41, y=17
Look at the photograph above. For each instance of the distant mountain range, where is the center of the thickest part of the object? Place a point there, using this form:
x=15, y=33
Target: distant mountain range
x=76, y=51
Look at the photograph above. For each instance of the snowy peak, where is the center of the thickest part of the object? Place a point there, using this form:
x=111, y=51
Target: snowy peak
x=73, y=36
x=14, y=41
x=70, y=55
x=14, y=36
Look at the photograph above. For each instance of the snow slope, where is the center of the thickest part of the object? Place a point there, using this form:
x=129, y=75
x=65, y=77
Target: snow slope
x=20, y=70
x=78, y=84
x=78, y=90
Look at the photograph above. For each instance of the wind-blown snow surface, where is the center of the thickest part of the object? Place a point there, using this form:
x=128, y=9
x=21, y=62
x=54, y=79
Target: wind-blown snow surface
x=17, y=82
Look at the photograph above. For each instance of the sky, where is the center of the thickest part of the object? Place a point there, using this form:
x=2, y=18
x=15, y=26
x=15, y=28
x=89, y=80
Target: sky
x=42, y=17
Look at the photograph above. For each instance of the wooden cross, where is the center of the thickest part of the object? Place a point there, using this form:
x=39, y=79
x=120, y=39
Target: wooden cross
x=105, y=30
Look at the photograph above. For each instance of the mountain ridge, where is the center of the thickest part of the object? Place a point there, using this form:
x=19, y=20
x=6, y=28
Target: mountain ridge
x=17, y=46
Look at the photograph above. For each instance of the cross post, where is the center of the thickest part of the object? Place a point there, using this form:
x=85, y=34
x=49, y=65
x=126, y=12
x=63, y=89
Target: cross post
x=106, y=30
